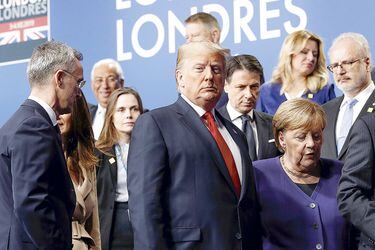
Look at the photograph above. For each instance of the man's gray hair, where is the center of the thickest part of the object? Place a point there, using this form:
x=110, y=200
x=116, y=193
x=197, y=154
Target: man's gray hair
x=49, y=57
x=111, y=63
x=356, y=37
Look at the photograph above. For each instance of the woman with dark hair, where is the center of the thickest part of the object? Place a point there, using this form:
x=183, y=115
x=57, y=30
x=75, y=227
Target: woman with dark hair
x=78, y=145
x=124, y=107
x=301, y=72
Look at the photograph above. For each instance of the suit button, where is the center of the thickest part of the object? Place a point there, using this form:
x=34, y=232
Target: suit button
x=315, y=226
x=312, y=205
x=238, y=236
x=318, y=246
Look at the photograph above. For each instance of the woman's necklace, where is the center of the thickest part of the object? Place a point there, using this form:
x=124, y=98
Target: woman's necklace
x=298, y=176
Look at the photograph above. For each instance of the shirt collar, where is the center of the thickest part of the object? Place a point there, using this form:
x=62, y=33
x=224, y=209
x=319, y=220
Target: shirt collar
x=100, y=109
x=234, y=114
x=363, y=95
x=51, y=113
x=197, y=109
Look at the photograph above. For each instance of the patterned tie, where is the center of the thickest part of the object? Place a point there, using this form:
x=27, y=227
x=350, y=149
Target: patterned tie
x=347, y=121
x=248, y=131
x=224, y=149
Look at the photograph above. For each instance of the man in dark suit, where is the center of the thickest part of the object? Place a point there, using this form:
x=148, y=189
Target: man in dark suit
x=356, y=189
x=190, y=177
x=243, y=79
x=351, y=67
x=106, y=76
x=37, y=198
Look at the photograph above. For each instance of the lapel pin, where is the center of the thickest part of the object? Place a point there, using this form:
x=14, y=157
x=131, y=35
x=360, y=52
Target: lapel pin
x=310, y=96
x=271, y=140
x=370, y=109
x=112, y=160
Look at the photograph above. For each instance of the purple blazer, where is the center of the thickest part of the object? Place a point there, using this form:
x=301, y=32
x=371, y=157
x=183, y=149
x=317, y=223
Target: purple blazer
x=293, y=220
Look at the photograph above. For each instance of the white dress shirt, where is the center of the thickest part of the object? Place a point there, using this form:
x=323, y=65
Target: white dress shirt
x=362, y=98
x=98, y=122
x=235, y=118
x=122, y=151
x=224, y=132
x=51, y=113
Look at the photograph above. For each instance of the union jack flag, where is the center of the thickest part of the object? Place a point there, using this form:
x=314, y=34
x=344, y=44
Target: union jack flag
x=24, y=30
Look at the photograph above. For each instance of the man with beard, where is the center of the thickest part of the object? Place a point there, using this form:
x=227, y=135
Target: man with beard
x=351, y=62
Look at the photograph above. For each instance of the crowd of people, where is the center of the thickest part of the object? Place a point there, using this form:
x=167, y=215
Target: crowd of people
x=234, y=163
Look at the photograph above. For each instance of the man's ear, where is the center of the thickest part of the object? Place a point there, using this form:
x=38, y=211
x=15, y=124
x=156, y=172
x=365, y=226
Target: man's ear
x=215, y=34
x=226, y=87
x=179, y=79
x=121, y=83
x=58, y=78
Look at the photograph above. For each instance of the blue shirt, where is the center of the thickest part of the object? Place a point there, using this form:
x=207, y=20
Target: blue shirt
x=293, y=220
x=270, y=97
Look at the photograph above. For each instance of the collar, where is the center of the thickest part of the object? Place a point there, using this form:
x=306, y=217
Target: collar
x=363, y=95
x=197, y=109
x=100, y=109
x=234, y=114
x=51, y=113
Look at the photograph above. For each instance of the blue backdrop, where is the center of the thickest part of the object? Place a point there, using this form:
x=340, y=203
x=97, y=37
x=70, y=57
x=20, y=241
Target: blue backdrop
x=145, y=34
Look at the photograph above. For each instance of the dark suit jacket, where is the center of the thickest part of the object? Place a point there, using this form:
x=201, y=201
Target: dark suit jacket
x=180, y=193
x=356, y=188
x=92, y=110
x=332, y=108
x=37, y=198
x=106, y=186
x=263, y=123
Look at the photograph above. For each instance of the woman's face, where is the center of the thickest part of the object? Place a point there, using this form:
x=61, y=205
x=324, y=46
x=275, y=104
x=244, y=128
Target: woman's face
x=65, y=123
x=304, y=62
x=126, y=113
x=302, y=148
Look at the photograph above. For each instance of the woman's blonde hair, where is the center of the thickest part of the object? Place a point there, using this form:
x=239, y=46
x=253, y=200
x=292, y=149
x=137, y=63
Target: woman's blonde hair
x=109, y=135
x=293, y=44
x=297, y=113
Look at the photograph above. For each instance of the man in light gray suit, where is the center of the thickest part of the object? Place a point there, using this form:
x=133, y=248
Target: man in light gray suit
x=243, y=79
x=351, y=62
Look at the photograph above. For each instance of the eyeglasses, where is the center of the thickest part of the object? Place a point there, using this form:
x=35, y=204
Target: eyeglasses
x=80, y=83
x=345, y=65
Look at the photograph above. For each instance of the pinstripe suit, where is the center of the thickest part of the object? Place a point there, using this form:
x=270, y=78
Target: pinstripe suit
x=356, y=188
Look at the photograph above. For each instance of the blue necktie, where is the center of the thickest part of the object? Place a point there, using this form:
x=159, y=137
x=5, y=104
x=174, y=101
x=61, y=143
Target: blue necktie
x=347, y=121
x=248, y=131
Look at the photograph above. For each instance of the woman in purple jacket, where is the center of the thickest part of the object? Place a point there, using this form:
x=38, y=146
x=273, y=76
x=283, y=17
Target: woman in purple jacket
x=297, y=191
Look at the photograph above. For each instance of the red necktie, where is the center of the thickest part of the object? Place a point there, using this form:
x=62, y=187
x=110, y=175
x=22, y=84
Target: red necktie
x=225, y=151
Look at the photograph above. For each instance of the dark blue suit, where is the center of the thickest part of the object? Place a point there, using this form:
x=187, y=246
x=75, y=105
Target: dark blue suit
x=36, y=194
x=181, y=194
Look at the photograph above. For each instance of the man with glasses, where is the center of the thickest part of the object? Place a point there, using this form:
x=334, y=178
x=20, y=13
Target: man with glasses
x=106, y=77
x=37, y=198
x=351, y=61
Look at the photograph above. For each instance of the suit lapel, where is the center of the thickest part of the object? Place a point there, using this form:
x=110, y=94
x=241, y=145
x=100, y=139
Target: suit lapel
x=368, y=108
x=331, y=126
x=263, y=136
x=194, y=124
x=111, y=164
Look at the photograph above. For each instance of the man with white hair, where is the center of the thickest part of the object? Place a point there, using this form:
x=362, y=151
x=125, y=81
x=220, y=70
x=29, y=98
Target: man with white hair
x=106, y=77
x=351, y=61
